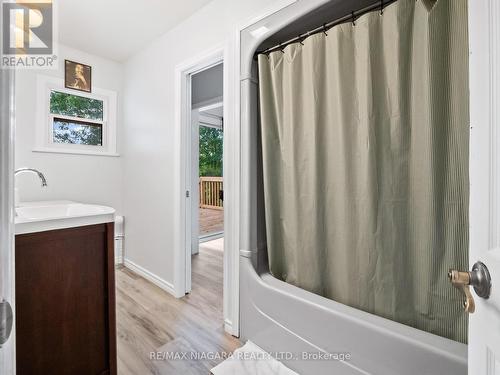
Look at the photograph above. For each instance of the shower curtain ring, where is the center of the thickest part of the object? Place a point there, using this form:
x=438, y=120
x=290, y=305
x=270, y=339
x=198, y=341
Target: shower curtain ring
x=301, y=39
x=381, y=7
x=325, y=29
x=353, y=18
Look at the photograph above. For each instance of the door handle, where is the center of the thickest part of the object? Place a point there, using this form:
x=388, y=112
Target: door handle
x=479, y=278
x=5, y=321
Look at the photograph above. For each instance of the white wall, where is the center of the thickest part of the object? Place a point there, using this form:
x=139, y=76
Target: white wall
x=149, y=128
x=83, y=178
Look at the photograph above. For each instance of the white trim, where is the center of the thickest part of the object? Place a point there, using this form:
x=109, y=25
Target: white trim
x=74, y=152
x=275, y=7
x=232, y=185
x=484, y=176
x=228, y=326
x=43, y=131
x=72, y=118
x=151, y=277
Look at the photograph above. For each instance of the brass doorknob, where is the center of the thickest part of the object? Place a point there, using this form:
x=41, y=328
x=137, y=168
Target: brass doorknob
x=479, y=278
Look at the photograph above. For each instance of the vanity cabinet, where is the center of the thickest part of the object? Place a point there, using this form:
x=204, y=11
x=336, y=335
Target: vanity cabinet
x=65, y=301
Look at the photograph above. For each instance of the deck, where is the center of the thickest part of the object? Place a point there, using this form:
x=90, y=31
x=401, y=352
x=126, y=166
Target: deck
x=211, y=221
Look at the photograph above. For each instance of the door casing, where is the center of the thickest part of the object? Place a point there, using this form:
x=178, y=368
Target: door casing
x=484, y=174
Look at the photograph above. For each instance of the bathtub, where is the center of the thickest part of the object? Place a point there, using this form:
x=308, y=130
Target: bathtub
x=314, y=335
x=291, y=322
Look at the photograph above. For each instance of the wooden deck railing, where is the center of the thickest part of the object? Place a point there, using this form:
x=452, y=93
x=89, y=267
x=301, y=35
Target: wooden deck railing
x=210, y=192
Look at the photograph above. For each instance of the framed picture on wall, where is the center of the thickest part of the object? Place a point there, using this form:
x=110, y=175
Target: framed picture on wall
x=77, y=76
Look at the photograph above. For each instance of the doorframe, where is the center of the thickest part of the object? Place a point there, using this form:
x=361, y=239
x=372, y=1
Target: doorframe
x=7, y=144
x=231, y=164
x=484, y=175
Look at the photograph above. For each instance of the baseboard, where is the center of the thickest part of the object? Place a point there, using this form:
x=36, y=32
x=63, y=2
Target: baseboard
x=159, y=282
x=228, y=327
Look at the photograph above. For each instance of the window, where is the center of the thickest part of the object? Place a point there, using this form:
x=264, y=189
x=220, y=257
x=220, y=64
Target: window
x=76, y=119
x=73, y=122
x=76, y=132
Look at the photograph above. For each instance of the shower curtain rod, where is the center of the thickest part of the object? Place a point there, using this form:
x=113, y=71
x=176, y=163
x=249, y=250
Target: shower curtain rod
x=327, y=26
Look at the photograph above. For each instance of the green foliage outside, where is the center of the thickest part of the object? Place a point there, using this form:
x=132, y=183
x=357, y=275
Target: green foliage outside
x=75, y=106
x=74, y=133
x=210, y=152
x=67, y=131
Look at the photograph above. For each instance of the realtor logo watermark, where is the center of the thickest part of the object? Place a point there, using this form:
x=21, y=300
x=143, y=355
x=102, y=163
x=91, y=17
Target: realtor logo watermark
x=28, y=35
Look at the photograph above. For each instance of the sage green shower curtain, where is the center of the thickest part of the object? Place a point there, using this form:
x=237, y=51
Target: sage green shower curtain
x=365, y=163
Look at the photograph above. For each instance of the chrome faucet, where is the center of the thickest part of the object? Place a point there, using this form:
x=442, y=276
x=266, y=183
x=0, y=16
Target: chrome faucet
x=32, y=170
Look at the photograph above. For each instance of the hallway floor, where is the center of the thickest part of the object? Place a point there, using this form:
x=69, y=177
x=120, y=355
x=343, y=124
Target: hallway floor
x=151, y=320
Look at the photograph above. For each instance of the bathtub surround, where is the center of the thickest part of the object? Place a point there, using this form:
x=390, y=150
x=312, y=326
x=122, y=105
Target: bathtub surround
x=371, y=210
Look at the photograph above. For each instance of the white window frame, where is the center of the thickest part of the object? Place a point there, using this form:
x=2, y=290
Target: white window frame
x=44, y=129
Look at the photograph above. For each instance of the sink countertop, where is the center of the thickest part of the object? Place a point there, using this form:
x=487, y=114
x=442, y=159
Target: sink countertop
x=42, y=216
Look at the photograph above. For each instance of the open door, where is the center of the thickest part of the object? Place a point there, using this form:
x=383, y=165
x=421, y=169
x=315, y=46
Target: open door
x=192, y=196
x=7, y=337
x=195, y=189
x=484, y=323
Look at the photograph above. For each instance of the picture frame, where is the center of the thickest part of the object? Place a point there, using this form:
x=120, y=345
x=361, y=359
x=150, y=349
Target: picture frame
x=77, y=76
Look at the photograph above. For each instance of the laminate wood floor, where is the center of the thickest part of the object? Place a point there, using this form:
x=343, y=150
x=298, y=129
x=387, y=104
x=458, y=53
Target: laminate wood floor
x=151, y=320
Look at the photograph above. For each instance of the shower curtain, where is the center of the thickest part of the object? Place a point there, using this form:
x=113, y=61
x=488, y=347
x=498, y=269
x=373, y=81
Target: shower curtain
x=365, y=163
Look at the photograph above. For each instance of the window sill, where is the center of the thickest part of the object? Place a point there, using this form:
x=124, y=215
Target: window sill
x=75, y=152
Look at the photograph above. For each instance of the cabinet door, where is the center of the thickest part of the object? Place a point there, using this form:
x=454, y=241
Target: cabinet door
x=62, y=295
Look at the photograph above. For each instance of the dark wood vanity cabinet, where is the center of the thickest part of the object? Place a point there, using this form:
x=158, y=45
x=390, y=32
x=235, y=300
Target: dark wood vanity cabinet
x=65, y=302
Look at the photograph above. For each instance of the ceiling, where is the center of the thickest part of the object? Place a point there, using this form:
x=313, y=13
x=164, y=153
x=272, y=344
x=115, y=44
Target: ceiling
x=207, y=86
x=116, y=29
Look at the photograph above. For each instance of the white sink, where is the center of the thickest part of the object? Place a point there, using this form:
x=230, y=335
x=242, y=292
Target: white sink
x=34, y=217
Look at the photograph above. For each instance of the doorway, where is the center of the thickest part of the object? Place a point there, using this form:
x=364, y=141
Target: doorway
x=186, y=185
x=206, y=182
x=210, y=130
x=207, y=172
